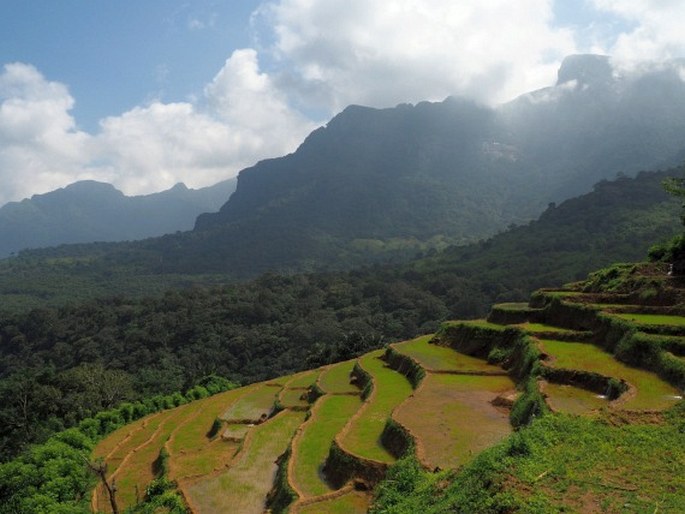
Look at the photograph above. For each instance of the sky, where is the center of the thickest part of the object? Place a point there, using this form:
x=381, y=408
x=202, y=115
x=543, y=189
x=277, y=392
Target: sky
x=146, y=94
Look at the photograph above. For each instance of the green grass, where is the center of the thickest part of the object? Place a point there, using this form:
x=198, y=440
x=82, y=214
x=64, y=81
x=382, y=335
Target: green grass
x=653, y=319
x=434, y=357
x=304, y=379
x=652, y=392
x=244, y=486
x=135, y=473
x=512, y=306
x=541, y=327
x=192, y=435
x=255, y=403
x=453, y=418
x=390, y=389
x=293, y=398
x=336, y=379
x=329, y=416
x=559, y=464
x=354, y=502
x=481, y=323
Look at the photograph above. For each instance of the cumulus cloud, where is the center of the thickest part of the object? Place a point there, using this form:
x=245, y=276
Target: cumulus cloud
x=320, y=57
x=243, y=118
x=656, y=29
x=39, y=141
x=382, y=53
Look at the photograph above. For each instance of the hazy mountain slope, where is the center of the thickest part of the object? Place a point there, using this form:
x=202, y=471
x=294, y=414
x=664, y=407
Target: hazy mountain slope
x=93, y=211
x=378, y=184
x=451, y=171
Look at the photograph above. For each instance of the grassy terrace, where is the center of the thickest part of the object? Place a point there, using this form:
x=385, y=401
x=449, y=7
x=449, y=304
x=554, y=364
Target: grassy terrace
x=336, y=379
x=136, y=471
x=653, y=319
x=303, y=380
x=390, y=389
x=292, y=398
x=579, y=465
x=434, y=357
x=191, y=452
x=536, y=328
x=329, y=416
x=355, y=502
x=652, y=392
x=481, y=323
x=257, y=402
x=453, y=418
x=243, y=487
x=572, y=400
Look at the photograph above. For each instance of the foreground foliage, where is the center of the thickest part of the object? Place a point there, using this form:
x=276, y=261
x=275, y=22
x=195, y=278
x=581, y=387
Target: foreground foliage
x=559, y=463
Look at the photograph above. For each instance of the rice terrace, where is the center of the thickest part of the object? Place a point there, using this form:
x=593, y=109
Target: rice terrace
x=330, y=440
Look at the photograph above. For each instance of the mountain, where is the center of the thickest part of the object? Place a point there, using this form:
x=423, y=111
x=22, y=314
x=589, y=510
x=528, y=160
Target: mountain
x=386, y=184
x=377, y=180
x=94, y=211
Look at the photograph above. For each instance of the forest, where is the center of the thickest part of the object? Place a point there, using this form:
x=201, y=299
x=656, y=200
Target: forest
x=61, y=364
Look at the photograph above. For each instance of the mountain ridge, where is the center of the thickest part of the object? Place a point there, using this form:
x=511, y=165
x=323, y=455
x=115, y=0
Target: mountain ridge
x=89, y=211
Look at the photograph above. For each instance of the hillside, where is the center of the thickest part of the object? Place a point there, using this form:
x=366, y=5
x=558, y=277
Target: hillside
x=387, y=184
x=617, y=221
x=275, y=325
x=591, y=375
x=91, y=211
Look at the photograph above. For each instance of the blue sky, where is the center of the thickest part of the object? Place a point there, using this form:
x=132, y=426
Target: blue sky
x=144, y=94
x=118, y=54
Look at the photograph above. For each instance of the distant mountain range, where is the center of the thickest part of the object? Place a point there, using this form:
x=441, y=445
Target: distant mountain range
x=95, y=211
x=378, y=184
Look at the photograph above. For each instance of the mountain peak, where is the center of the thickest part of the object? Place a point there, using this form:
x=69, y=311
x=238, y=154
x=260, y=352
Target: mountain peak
x=587, y=69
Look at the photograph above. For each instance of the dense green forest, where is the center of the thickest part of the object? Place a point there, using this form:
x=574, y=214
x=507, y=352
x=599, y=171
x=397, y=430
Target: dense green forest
x=61, y=364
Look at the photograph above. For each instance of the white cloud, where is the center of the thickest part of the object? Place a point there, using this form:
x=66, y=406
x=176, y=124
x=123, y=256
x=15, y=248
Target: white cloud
x=148, y=148
x=657, y=32
x=40, y=147
x=386, y=52
x=321, y=57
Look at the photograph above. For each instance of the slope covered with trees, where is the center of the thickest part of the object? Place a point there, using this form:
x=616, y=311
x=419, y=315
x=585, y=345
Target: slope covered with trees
x=90, y=211
x=135, y=347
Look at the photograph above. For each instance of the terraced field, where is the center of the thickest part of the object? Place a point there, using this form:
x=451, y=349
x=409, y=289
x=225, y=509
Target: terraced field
x=573, y=400
x=649, y=393
x=131, y=463
x=362, y=435
x=244, y=486
x=336, y=379
x=433, y=357
x=653, y=320
x=254, y=406
x=353, y=502
x=310, y=448
x=223, y=450
x=453, y=417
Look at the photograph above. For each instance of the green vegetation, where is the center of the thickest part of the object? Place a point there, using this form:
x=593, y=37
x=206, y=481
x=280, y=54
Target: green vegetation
x=336, y=379
x=254, y=405
x=436, y=357
x=559, y=463
x=652, y=392
x=329, y=416
x=351, y=503
x=389, y=390
x=245, y=485
x=141, y=341
x=653, y=319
